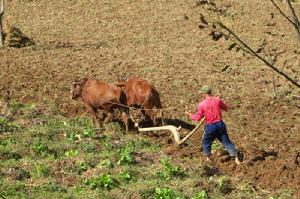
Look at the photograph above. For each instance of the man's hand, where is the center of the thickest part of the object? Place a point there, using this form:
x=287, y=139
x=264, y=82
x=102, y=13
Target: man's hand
x=188, y=113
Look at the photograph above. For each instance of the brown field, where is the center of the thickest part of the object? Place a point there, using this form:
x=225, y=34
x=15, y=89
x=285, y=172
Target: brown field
x=161, y=42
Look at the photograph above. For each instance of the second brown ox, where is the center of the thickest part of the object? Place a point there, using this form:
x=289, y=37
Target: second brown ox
x=98, y=95
x=140, y=93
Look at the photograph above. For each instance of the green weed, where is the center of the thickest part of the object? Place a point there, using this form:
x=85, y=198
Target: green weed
x=128, y=175
x=170, y=171
x=7, y=126
x=82, y=167
x=71, y=153
x=107, y=150
x=7, y=142
x=41, y=170
x=72, y=136
x=107, y=163
x=88, y=132
x=125, y=155
x=164, y=193
x=16, y=106
x=105, y=181
x=40, y=148
x=216, y=146
x=8, y=190
x=201, y=195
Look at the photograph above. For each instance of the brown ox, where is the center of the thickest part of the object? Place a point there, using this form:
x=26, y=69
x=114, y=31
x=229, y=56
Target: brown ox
x=140, y=93
x=98, y=95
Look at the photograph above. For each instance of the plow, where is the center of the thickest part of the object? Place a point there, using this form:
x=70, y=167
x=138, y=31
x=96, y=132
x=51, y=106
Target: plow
x=174, y=131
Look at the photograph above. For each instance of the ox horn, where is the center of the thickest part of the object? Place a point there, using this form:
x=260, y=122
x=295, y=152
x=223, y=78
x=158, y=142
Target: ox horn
x=79, y=82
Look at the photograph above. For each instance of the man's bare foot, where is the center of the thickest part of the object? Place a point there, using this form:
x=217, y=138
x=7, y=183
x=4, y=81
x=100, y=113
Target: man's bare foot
x=208, y=159
x=237, y=161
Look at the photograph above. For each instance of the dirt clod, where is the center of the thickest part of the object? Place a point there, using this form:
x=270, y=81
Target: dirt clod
x=16, y=38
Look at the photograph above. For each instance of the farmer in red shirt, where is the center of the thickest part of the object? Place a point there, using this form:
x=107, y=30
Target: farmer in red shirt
x=211, y=108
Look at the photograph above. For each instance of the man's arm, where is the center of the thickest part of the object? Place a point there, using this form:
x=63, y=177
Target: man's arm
x=197, y=116
x=223, y=106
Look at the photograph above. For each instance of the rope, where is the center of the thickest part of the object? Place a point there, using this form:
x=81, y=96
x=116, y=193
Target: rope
x=161, y=109
x=135, y=108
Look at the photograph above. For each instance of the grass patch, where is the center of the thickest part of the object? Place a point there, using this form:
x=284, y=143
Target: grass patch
x=68, y=158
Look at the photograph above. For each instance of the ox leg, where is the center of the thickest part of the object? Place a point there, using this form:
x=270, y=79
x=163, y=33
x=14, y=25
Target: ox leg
x=162, y=117
x=143, y=115
x=134, y=115
x=125, y=120
x=94, y=115
x=125, y=117
x=152, y=116
x=109, y=117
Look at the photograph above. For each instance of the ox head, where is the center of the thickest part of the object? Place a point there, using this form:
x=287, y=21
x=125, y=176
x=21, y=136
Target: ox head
x=137, y=116
x=76, y=89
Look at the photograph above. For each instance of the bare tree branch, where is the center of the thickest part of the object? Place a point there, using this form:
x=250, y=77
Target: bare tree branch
x=258, y=56
x=295, y=18
x=247, y=48
x=1, y=17
x=282, y=13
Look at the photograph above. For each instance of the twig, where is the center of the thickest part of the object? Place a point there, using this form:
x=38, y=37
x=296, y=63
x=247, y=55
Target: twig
x=295, y=18
x=282, y=13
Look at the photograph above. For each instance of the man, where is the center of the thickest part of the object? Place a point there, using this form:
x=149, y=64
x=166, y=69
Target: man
x=211, y=108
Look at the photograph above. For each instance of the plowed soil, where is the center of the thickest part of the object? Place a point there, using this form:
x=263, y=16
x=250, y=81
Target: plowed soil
x=161, y=41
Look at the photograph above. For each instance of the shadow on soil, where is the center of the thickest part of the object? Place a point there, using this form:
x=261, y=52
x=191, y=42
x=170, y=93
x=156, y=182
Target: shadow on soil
x=178, y=122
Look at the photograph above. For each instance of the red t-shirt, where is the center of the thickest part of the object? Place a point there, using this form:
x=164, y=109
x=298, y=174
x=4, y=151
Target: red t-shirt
x=211, y=108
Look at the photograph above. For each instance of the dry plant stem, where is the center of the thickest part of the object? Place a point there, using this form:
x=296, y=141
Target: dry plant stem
x=1, y=18
x=274, y=79
x=274, y=83
x=295, y=18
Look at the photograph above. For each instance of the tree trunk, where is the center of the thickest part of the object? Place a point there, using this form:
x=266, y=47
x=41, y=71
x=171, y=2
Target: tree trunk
x=295, y=18
x=1, y=17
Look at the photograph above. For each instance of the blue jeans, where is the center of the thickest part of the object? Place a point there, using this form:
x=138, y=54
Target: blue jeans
x=213, y=131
